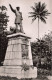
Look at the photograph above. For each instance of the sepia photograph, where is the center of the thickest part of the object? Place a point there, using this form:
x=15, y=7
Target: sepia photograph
x=25, y=39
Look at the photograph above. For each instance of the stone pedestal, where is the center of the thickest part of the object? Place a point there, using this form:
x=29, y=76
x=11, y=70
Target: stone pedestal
x=18, y=53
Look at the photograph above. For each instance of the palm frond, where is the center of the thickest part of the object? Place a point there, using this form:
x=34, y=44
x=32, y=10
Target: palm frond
x=43, y=6
x=32, y=13
x=44, y=13
x=32, y=16
x=42, y=19
x=33, y=8
x=39, y=5
x=45, y=17
x=47, y=14
x=33, y=19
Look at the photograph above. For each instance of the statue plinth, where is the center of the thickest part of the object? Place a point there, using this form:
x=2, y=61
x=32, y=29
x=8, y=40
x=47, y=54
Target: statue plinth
x=17, y=55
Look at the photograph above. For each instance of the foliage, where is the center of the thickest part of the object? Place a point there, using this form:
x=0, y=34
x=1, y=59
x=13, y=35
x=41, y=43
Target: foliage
x=25, y=67
x=3, y=36
x=3, y=46
x=48, y=38
x=3, y=16
x=43, y=72
x=40, y=47
x=41, y=54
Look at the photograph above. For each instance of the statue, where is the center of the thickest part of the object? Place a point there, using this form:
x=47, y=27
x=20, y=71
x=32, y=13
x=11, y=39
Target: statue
x=18, y=19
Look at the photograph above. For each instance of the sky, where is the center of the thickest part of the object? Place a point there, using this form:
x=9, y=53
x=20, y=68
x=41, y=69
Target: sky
x=31, y=29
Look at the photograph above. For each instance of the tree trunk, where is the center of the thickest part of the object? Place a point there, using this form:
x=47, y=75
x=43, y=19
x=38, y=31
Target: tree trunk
x=38, y=28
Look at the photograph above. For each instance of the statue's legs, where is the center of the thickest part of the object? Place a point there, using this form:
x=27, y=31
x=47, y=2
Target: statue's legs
x=21, y=28
x=16, y=27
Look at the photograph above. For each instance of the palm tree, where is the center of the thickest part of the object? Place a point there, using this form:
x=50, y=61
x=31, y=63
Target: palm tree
x=40, y=12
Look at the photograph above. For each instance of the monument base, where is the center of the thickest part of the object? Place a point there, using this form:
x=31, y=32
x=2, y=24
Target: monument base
x=16, y=71
x=18, y=54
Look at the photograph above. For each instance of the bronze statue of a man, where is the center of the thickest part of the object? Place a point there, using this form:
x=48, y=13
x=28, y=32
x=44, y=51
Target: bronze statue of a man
x=18, y=19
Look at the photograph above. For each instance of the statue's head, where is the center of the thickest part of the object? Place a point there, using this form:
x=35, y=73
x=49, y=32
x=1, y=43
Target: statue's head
x=18, y=8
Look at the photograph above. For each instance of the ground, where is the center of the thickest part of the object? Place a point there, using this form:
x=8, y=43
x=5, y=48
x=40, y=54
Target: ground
x=10, y=78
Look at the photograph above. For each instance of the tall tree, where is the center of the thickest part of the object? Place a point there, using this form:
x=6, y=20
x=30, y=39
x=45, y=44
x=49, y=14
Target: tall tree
x=40, y=12
x=3, y=37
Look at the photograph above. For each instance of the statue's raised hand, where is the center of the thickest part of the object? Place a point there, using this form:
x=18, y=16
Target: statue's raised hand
x=12, y=8
x=10, y=5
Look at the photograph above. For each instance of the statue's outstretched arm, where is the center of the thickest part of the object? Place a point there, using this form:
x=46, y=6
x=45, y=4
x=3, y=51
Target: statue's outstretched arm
x=12, y=8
